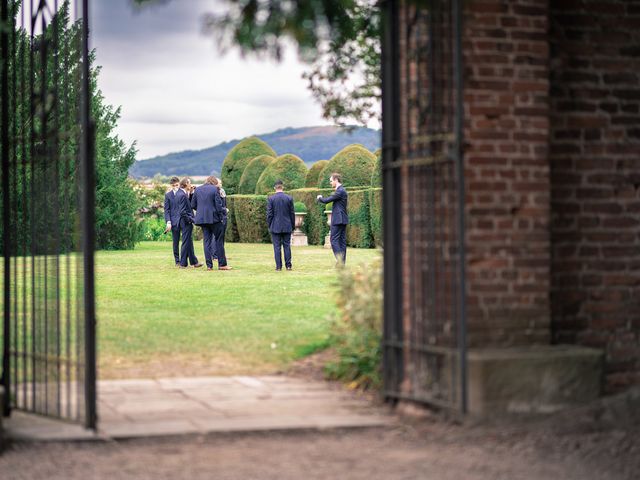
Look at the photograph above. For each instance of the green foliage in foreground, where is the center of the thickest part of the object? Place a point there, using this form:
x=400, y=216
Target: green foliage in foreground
x=249, y=320
x=356, y=331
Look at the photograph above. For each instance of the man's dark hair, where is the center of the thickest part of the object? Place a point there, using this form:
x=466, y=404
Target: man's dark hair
x=174, y=180
x=278, y=184
x=337, y=177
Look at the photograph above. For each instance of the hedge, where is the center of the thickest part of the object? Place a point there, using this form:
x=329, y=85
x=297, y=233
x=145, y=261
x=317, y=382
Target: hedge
x=354, y=163
x=313, y=175
x=237, y=160
x=375, y=214
x=289, y=168
x=252, y=173
x=248, y=224
x=359, y=229
x=231, y=235
x=376, y=176
x=250, y=212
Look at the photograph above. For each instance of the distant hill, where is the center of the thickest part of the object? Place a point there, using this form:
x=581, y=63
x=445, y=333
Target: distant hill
x=309, y=143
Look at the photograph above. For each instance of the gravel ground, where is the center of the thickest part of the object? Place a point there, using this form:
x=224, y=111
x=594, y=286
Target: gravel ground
x=416, y=449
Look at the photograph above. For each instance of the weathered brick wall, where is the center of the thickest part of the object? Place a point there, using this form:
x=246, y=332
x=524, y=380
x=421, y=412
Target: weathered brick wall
x=506, y=55
x=595, y=178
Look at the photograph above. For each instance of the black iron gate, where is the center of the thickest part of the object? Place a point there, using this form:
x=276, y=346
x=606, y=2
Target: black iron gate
x=424, y=333
x=49, y=361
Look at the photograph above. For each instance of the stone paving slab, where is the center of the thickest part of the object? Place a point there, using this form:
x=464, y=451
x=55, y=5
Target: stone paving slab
x=203, y=405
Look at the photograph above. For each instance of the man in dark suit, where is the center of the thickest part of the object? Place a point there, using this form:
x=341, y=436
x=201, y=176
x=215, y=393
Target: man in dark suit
x=187, y=252
x=339, y=217
x=207, y=203
x=281, y=219
x=172, y=217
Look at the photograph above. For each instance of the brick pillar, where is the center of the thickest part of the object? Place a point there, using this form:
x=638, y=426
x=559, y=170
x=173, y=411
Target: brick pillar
x=506, y=56
x=595, y=174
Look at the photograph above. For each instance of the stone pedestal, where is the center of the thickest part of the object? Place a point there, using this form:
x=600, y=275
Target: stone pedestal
x=298, y=238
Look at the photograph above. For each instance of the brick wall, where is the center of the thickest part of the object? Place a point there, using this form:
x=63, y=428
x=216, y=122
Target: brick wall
x=506, y=55
x=595, y=178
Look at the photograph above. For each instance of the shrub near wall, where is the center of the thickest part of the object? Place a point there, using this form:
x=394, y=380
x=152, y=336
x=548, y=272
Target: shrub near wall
x=359, y=229
x=250, y=212
x=375, y=215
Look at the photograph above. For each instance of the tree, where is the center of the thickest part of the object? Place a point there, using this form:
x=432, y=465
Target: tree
x=339, y=39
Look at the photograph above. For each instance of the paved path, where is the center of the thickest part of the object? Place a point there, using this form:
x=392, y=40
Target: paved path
x=175, y=406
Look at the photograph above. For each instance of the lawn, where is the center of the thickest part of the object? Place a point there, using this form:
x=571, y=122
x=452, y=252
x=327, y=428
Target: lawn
x=156, y=320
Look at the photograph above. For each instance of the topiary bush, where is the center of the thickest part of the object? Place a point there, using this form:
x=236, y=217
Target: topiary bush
x=252, y=172
x=299, y=207
x=250, y=212
x=313, y=175
x=375, y=214
x=237, y=160
x=354, y=162
x=359, y=229
x=289, y=168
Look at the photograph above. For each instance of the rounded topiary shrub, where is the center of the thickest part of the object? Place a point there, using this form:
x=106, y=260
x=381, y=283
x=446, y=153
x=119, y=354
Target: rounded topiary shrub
x=313, y=176
x=250, y=214
x=288, y=168
x=237, y=160
x=354, y=162
x=252, y=173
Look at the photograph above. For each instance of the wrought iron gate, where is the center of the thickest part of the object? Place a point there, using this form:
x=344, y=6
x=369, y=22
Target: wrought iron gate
x=424, y=333
x=49, y=360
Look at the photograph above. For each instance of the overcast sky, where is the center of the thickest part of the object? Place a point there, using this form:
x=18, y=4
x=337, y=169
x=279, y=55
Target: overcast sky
x=177, y=92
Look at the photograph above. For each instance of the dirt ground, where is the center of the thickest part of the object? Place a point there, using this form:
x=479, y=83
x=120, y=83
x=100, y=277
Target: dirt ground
x=598, y=441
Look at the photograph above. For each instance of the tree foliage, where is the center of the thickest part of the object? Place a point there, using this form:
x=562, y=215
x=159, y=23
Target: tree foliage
x=46, y=142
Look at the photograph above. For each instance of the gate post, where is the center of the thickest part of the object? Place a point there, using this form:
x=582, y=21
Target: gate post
x=6, y=225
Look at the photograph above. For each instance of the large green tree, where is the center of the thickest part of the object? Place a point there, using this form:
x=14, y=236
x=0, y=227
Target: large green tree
x=339, y=39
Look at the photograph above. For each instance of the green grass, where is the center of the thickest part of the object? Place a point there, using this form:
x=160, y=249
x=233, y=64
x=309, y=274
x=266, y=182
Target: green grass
x=155, y=319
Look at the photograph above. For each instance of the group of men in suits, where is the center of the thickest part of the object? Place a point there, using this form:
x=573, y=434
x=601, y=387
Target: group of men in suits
x=209, y=203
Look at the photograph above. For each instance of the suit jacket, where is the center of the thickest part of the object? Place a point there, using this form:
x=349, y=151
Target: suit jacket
x=340, y=199
x=207, y=203
x=281, y=216
x=186, y=212
x=172, y=209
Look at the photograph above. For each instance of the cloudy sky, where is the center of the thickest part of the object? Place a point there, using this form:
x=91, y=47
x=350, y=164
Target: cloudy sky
x=177, y=92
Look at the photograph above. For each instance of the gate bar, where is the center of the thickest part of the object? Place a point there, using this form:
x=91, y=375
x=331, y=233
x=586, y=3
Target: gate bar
x=459, y=134
x=88, y=232
x=6, y=226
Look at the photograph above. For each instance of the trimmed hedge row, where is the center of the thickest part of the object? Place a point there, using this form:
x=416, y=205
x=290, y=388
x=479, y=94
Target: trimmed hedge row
x=375, y=214
x=250, y=217
x=289, y=168
x=247, y=217
x=238, y=158
x=252, y=173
